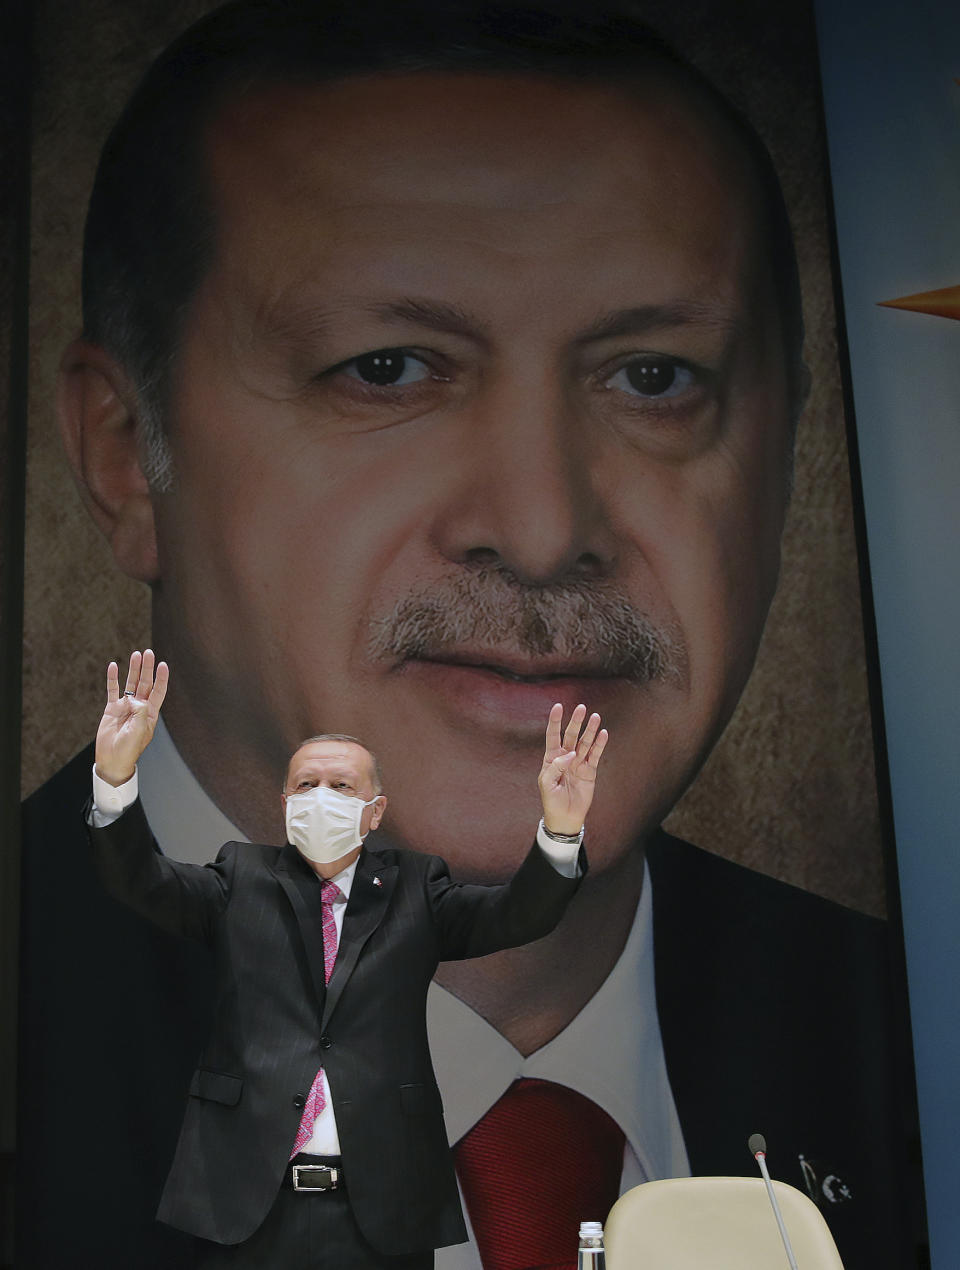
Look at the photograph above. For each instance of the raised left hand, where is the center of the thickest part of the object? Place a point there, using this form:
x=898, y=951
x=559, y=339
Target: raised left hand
x=569, y=772
x=129, y=718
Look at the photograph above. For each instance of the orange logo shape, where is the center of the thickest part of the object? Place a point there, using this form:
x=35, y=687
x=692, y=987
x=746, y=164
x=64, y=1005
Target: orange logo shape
x=943, y=303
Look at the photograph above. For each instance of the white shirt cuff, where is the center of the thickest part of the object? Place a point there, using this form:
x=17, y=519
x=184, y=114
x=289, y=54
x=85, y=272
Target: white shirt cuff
x=562, y=855
x=111, y=801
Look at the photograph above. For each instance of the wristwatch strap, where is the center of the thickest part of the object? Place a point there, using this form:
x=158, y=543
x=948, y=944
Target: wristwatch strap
x=571, y=838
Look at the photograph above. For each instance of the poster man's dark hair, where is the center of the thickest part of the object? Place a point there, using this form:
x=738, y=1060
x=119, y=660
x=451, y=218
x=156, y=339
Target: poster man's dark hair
x=150, y=231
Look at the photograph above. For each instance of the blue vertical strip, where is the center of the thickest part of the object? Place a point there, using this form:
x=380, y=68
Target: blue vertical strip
x=893, y=122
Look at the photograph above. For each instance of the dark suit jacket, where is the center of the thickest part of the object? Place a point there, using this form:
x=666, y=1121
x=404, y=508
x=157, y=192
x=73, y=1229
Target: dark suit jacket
x=777, y=1017
x=275, y=1021
x=773, y=1008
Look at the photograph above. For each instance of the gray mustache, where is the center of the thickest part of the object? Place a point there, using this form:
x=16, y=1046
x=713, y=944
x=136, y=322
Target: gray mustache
x=589, y=624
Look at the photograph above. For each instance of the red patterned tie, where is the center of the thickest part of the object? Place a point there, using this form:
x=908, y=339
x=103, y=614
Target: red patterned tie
x=316, y=1100
x=543, y=1159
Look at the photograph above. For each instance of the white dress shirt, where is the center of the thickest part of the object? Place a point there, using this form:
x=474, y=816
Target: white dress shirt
x=611, y=1051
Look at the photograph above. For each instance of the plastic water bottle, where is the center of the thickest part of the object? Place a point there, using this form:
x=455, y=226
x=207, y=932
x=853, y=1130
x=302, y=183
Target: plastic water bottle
x=590, y=1254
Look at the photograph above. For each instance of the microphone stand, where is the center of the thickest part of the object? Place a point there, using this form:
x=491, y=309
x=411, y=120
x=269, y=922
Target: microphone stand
x=758, y=1148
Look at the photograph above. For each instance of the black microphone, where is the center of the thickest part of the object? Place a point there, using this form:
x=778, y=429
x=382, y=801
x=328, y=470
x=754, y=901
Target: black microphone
x=758, y=1149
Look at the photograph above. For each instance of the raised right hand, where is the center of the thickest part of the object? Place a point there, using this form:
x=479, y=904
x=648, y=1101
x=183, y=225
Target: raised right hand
x=130, y=717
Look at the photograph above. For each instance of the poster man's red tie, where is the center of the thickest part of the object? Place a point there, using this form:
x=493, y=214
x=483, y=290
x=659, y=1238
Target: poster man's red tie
x=542, y=1159
x=316, y=1099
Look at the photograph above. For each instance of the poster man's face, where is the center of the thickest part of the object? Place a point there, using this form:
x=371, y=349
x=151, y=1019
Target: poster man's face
x=482, y=394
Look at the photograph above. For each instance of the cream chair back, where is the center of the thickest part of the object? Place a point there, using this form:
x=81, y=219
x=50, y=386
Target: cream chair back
x=715, y=1223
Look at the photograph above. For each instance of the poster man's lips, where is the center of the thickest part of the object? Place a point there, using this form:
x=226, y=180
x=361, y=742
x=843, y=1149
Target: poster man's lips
x=509, y=697
x=521, y=669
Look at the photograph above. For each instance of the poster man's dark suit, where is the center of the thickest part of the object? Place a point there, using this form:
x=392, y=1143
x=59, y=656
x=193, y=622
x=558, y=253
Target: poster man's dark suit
x=773, y=1009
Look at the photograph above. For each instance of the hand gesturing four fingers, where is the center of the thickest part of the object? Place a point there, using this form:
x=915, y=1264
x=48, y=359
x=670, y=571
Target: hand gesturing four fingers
x=130, y=717
x=569, y=772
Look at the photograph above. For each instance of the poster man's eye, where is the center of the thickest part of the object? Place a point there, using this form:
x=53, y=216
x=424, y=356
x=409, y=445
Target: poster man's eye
x=387, y=367
x=652, y=376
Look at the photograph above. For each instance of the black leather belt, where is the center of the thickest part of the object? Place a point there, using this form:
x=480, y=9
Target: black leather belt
x=321, y=1173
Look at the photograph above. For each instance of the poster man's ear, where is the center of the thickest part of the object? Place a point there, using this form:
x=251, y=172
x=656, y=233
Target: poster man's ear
x=97, y=410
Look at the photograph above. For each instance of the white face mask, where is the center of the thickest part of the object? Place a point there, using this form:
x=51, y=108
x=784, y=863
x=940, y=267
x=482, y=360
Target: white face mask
x=323, y=824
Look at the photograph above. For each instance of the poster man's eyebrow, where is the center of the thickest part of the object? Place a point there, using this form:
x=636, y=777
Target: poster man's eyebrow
x=296, y=320
x=647, y=317
x=437, y=315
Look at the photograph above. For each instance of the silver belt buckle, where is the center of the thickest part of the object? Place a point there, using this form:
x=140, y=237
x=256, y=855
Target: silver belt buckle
x=331, y=1177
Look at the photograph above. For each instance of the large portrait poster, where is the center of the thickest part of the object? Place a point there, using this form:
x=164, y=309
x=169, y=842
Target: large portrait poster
x=411, y=397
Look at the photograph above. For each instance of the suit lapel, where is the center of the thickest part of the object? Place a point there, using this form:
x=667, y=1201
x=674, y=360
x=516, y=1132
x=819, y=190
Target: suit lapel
x=373, y=885
x=302, y=889
x=710, y=998
x=746, y=1028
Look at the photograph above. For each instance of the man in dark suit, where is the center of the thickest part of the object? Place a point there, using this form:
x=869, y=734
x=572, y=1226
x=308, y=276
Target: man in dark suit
x=323, y=956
